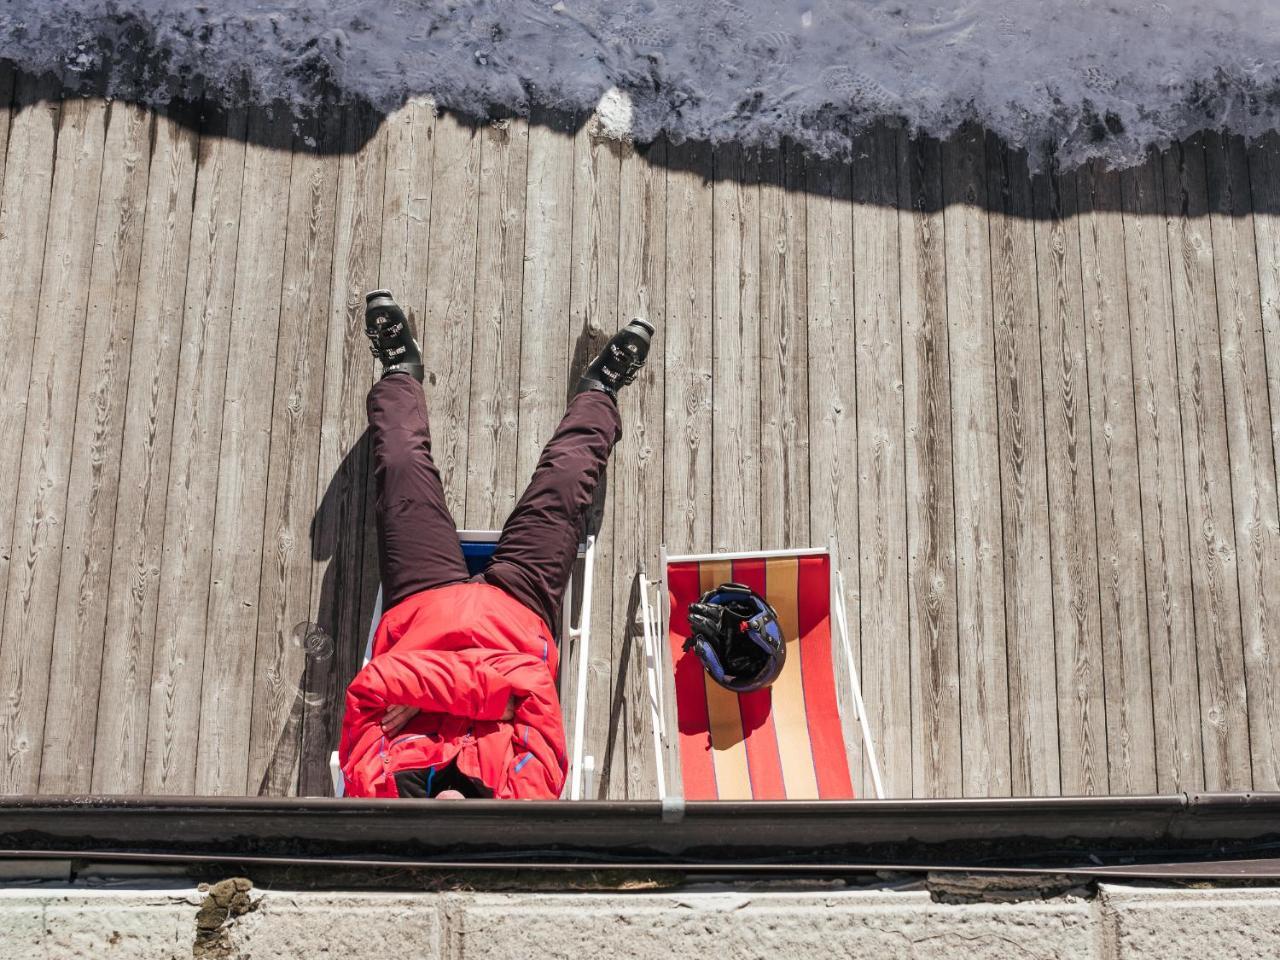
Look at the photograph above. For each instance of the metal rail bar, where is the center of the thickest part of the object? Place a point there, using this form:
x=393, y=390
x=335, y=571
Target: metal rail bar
x=1045, y=833
x=1251, y=869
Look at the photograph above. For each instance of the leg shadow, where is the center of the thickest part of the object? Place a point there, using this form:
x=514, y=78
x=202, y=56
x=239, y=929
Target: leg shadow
x=616, y=747
x=343, y=536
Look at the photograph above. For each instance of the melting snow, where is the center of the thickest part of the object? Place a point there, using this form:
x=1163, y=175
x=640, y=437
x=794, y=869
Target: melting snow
x=1078, y=77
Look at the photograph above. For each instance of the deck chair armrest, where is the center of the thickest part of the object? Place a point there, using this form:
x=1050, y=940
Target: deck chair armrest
x=842, y=624
x=582, y=635
x=653, y=650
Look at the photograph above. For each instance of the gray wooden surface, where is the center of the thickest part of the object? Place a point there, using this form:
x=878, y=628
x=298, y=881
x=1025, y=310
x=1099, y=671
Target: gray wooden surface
x=1070, y=460
x=1040, y=412
x=931, y=532
x=129, y=646
x=975, y=455
x=833, y=407
x=43, y=478
x=94, y=480
x=881, y=465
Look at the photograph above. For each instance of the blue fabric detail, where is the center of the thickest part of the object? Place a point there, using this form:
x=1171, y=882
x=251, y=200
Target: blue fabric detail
x=431, y=775
x=711, y=660
x=523, y=760
x=544, y=649
x=478, y=556
x=767, y=640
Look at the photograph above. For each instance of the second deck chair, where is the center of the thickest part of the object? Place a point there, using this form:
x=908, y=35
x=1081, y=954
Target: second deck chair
x=785, y=742
x=478, y=547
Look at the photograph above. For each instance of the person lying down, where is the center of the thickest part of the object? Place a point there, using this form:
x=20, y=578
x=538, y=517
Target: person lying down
x=458, y=699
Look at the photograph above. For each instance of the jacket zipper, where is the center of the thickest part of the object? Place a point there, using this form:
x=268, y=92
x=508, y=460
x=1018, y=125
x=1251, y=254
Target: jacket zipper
x=407, y=737
x=382, y=747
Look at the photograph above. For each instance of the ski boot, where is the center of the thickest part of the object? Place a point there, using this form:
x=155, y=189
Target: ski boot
x=620, y=360
x=390, y=336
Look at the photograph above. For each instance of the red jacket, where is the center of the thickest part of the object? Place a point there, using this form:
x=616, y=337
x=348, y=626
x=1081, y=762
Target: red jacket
x=458, y=653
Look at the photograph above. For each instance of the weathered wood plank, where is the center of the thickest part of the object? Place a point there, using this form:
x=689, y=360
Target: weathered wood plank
x=687, y=461
x=7, y=84
x=1262, y=646
x=1264, y=169
x=1113, y=418
x=78, y=630
x=173, y=726
x=495, y=387
x=784, y=415
x=636, y=486
x=593, y=317
x=1264, y=178
x=407, y=205
x=284, y=601
x=42, y=480
x=931, y=533
x=226, y=695
x=783, y=384
x=832, y=405
x=342, y=596
x=548, y=255
x=1028, y=578
x=784, y=350
x=136, y=558
x=1073, y=543
x=24, y=208
x=984, y=695
x=1212, y=539
x=447, y=307
x=882, y=491
x=1180, y=760
x=1252, y=477
x=736, y=385
x=736, y=401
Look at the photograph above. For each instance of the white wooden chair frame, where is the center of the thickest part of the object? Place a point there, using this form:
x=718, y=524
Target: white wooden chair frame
x=581, y=768
x=656, y=654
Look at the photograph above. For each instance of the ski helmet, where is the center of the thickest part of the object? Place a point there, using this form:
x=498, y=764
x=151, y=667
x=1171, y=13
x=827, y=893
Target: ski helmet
x=737, y=637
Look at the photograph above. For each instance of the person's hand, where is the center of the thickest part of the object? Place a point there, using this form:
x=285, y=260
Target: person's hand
x=396, y=717
x=510, y=712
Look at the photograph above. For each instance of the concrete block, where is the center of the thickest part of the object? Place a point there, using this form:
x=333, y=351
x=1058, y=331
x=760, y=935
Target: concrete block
x=350, y=926
x=117, y=927
x=108, y=923
x=1182, y=924
x=21, y=926
x=161, y=925
x=1129, y=922
x=728, y=926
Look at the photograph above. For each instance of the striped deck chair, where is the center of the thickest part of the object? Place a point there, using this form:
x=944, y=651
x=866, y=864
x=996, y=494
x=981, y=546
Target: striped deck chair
x=478, y=547
x=785, y=742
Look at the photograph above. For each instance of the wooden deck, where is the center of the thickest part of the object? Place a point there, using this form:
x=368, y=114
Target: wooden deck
x=1042, y=415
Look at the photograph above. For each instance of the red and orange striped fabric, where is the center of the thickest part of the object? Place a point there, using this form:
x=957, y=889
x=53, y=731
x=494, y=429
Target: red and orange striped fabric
x=783, y=742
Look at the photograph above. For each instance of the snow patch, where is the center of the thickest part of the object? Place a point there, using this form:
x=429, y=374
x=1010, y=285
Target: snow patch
x=1078, y=78
x=613, y=114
